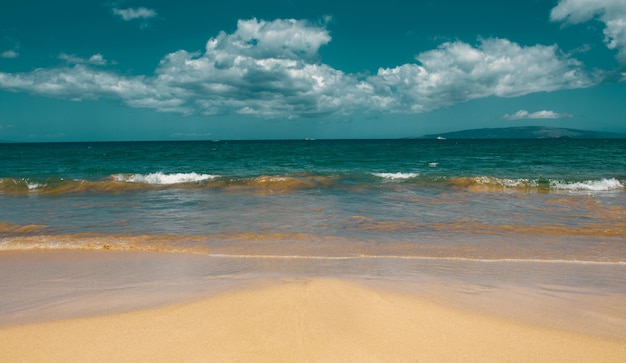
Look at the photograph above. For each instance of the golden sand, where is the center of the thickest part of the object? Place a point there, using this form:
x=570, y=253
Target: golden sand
x=319, y=320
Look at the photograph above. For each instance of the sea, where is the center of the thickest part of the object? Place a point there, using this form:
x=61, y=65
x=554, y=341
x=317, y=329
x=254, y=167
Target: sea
x=550, y=200
x=533, y=230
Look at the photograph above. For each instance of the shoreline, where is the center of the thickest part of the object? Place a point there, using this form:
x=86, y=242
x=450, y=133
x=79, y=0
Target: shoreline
x=140, y=305
x=604, y=248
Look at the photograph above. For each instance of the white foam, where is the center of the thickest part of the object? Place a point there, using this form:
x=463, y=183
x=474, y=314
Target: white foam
x=505, y=182
x=33, y=186
x=394, y=176
x=589, y=185
x=164, y=179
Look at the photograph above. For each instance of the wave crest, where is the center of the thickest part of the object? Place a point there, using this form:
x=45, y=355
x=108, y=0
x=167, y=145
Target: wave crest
x=589, y=185
x=491, y=184
x=160, y=178
x=120, y=183
x=396, y=176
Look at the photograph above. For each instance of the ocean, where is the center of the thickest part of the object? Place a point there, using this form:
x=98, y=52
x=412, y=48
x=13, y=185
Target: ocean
x=531, y=230
x=527, y=200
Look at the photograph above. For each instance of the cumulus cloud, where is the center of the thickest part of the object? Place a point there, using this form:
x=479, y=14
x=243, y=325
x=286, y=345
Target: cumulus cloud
x=9, y=54
x=611, y=12
x=457, y=72
x=272, y=69
x=267, y=69
x=543, y=114
x=134, y=13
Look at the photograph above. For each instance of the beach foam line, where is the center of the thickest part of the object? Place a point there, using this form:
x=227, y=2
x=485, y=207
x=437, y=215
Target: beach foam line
x=319, y=320
x=426, y=258
x=15, y=237
x=107, y=244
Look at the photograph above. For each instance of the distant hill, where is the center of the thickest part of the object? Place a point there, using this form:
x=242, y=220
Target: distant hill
x=525, y=132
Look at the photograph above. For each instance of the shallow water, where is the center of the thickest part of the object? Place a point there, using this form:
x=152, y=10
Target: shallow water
x=40, y=286
x=559, y=200
x=533, y=230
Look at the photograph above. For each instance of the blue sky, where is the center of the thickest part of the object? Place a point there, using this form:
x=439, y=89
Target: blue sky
x=178, y=70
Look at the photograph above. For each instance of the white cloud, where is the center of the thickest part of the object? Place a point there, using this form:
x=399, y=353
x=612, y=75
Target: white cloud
x=457, y=72
x=76, y=83
x=272, y=69
x=9, y=54
x=267, y=69
x=611, y=12
x=278, y=39
x=544, y=114
x=135, y=13
x=96, y=59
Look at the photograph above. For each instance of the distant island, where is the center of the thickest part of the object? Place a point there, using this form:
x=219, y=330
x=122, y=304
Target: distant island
x=525, y=132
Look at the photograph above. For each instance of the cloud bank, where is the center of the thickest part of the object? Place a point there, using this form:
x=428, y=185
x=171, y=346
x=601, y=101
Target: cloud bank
x=272, y=69
x=544, y=114
x=610, y=12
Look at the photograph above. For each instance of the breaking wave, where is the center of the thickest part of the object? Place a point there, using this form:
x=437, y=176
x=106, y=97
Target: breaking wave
x=396, y=176
x=285, y=183
x=160, y=178
x=120, y=183
x=589, y=185
x=494, y=184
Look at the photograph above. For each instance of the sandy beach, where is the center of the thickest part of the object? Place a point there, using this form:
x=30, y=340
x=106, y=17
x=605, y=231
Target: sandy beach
x=294, y=319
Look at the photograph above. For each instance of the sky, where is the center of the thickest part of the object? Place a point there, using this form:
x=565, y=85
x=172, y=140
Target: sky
x=75, y=70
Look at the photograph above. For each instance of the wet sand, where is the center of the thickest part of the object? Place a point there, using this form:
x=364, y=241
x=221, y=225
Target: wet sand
x=124, y=306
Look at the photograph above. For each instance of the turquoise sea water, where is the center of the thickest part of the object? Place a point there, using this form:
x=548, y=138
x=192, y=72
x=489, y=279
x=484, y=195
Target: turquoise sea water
x=554, y=200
